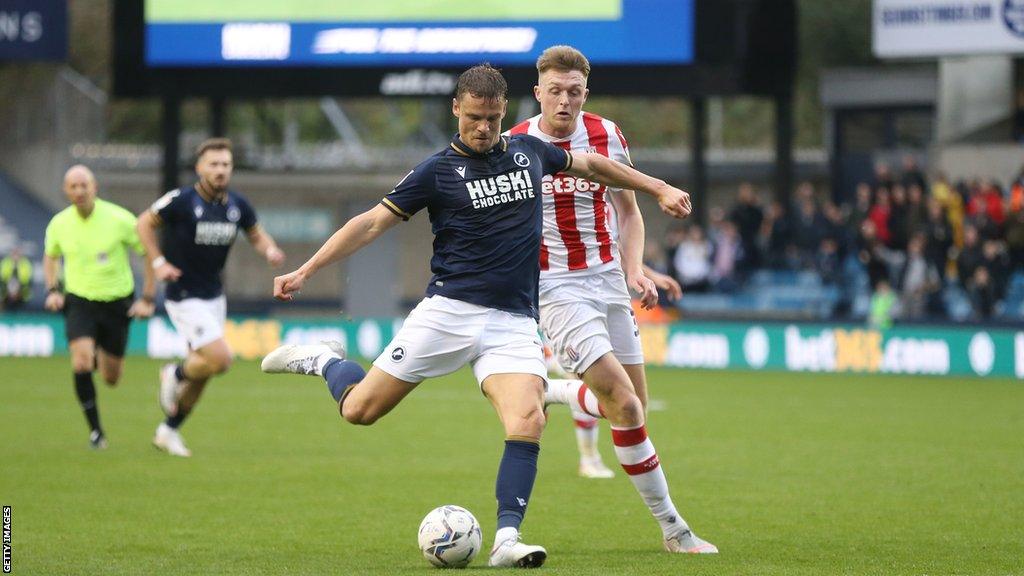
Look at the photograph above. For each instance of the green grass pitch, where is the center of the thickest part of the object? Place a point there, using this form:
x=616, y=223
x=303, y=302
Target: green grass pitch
x=379, y=10
x=787, y=474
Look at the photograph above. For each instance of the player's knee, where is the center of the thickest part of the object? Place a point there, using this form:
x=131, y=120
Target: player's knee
x=112, y=377
x=83, y=363
x=631, y=409
x=530, y=424
x=220, y=363
x=359, y=413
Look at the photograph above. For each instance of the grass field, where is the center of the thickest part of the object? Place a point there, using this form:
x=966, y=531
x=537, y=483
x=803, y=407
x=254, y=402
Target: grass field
x=787, y=474
x=379, y=10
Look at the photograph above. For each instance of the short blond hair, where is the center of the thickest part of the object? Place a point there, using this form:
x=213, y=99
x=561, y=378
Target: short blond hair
x=563, y=59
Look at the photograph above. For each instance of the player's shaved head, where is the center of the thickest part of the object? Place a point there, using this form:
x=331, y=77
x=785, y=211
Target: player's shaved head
x=80, y=187
x=482, y=81
x=563, y=59
x=79, y=172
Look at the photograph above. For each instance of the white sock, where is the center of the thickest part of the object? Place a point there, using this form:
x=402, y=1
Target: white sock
x=640, y=461
x=572, y=392
x=503, y=534
x=322, y=360
x=586, y=436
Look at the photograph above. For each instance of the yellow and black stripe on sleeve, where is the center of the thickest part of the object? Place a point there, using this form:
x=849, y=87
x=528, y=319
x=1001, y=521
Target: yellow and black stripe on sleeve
x=395, y=209
x=568, y=161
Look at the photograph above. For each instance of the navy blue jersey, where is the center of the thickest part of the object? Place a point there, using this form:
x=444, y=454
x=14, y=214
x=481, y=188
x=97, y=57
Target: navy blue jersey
x=487, y=217
x=196, y=237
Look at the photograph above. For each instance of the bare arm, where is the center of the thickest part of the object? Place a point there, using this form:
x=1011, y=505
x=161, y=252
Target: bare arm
x=603, y=170
x=51, y=272
x=354, y=235
x=264, y=244
x=148, y=222
x=631, y=246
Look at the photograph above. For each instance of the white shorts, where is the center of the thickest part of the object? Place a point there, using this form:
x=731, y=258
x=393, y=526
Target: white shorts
x=442, y=335
x=586, y=317
x=199, y=321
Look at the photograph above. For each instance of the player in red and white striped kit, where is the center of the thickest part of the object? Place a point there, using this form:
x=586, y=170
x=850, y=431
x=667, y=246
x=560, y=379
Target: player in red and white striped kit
x=585, y=309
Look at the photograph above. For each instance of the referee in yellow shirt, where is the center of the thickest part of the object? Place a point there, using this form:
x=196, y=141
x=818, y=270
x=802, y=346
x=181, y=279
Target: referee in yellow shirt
x=92, y=237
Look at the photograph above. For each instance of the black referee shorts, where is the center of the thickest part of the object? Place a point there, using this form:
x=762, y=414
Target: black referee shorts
x=105, y=322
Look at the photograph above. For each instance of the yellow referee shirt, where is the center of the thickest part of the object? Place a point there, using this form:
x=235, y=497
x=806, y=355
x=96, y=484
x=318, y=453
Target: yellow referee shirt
x=94, y=249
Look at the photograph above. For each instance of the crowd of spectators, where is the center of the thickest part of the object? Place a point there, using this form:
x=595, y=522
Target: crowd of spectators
x=911, y=237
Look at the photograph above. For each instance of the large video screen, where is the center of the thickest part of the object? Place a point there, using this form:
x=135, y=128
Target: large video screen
x=408, y=33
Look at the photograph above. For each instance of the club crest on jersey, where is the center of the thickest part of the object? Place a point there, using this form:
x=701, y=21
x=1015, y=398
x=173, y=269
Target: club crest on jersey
x=234, y=213
x=521, y=159
x=500, y=189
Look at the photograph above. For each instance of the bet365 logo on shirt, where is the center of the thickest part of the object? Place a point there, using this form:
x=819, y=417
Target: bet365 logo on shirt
x=501, y=189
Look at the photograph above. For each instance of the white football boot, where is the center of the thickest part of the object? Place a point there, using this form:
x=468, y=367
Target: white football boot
x=686, y=542
x=170, y=389
x=512, y=553
x=595, y=468
x=301, y=358
x=169, y=440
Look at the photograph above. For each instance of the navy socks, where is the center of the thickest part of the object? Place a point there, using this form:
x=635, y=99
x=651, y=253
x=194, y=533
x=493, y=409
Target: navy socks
x=516, y=474
x=341, y=375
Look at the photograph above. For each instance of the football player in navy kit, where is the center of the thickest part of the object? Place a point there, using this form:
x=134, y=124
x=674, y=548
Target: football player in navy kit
x=483, y=196
x=198, y=225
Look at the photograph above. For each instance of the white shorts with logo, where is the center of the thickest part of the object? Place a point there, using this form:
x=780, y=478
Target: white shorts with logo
x=584, y=317
x=199, y=320
x=442, y=335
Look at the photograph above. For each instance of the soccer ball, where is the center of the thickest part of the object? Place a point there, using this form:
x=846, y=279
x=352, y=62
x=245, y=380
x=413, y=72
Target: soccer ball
x=450, y=537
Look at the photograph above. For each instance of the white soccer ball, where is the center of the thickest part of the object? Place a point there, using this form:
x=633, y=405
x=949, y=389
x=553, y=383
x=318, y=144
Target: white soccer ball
x=450, y=537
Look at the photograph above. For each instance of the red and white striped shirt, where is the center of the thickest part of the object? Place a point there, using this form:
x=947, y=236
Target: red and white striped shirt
x=579, y=229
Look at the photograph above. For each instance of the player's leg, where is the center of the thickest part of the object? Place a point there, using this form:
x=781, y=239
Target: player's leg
x=511, y=372
x=83, y=359
x=112, y=339
x=566, y=306
x=437, y=338
x=80, y=329
x=362, y=397
x=518, y=400
x=638, y=376
x=201, y=322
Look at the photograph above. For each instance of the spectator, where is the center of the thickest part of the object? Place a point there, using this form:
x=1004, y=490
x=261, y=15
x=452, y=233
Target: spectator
x=835, y=228
x=939, y=235
x=727, y=252
x=994, y=258
x=776, y=238
x=970, y=257
x=1015, y=238
x=986, y=198
x=912, y=174
x=883, y=176
x=15, y=280
x=748, y=216
x=882, y=307
x=693, y=261
x=981, y=293
x=861, y=208
x=917, y=210
x=828, y=260
x=898, y=213
x=953, y=206
x=919, y=280
x=874, y=255
x=807, y=230
x=879, y=216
